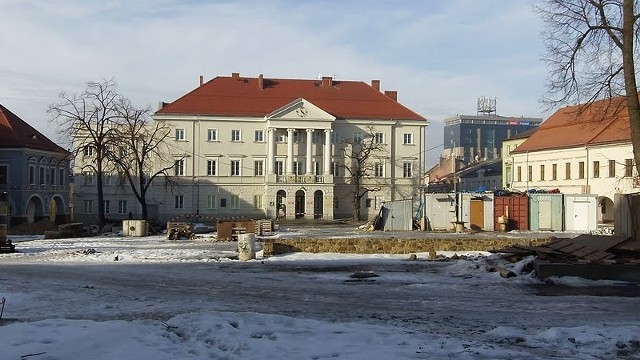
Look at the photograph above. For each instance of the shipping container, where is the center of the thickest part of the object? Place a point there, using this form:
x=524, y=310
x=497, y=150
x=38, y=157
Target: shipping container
x=439, y=211
x=515, y=208
x=580, y=212
x=398, y=215
x=546, y=212
x=476, y=211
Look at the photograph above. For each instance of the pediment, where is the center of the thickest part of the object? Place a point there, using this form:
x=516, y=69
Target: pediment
x=300, y=109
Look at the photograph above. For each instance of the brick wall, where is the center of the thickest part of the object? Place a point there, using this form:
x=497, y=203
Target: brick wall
x=390, y=246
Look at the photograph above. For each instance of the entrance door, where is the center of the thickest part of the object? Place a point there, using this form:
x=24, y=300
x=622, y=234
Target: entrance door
x=281, y=208
x=317, y=204
x=580, y=216
x=544, y=215
x=299, y=200
x=477, y=214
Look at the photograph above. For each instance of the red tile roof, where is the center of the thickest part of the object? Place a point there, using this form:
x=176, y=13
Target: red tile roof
x=242, y=96
x=16, y=133
x=601, y=122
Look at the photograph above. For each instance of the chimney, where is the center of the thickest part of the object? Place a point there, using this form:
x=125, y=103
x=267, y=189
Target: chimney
x=260, y=82
x=327, y=81
x=161, y=104
x=393, y=95
x=201, y=80
x=235, y=75
x=375, y=84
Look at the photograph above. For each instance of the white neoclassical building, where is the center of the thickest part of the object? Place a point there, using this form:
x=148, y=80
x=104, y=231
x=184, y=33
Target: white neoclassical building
x=256, y=147
x=580, y=149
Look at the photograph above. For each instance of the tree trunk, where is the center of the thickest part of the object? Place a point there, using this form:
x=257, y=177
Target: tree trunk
x=631, y=88
x=101, y=218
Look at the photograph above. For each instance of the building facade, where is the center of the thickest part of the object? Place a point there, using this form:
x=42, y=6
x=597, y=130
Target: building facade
x=33, y=172
x=259, y=147
x=479, y=137
x=597, y=157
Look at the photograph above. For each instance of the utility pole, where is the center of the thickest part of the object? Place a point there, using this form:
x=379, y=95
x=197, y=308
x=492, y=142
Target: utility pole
x=455, y=185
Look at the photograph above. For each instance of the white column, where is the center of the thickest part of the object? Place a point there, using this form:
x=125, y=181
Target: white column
x=270, y=151
x=327, y=152
x=290, y=151
x=309, y=162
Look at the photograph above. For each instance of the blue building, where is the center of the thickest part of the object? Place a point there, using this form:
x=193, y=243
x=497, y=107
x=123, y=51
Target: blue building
x=479, y=137
x=34, y=173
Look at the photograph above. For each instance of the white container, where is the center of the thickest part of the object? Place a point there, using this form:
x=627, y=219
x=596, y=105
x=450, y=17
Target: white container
x=137, y=228
x=246, y=246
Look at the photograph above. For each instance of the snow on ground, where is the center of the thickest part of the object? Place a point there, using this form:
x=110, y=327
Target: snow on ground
x=202, y=330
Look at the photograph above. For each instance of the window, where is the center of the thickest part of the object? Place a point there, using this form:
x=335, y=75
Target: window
x=529, y=173
x=596, y=169
x=297, y=136
x=87, y=151
x=235, y=202
x=87, y=206
x=379, y=170
x=223, y=202
x=567, y=171
x=52, y=176
x=628, y=167
x=178, y=167
x=407, y=138
x=122, y=206
x=316, y=137
x=554, y=171
x=107, y=206
x=519, y=173
x=87, y=178
x=335, y=169
x=212, y=167
x=121, y=179
x=179, y=202
x=357, y=137
x=541, y=172
x=212, y=202
x=32, y=174
x=279, y=169
x=581, y=170
x=298, y=167
x=367, y=203
x=235, y=167
x=61, y=177
x=212, y=134
x=316, y=167
x=41, y=175
x=258, y=168
x=236, y=135
x=281, y=136
x=180, y=135
x=407, y=170
x=335, y=137
x=612, y=168
x=379, y=138
x=258, y=201
x=106, y=179
x=4, y=174
x=259, y=136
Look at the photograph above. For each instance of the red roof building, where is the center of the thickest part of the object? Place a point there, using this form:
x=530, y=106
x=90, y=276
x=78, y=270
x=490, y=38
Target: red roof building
x=16, y=133
x=33, y=173
x=257, y=97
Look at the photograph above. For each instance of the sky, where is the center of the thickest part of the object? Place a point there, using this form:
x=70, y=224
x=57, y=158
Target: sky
x=439, y=55
x=188, y=300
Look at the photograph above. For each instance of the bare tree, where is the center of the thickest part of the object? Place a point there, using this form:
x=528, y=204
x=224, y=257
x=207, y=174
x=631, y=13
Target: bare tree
x=87, y=121
x=591, y=49
x=360, y=161
x=140, y=148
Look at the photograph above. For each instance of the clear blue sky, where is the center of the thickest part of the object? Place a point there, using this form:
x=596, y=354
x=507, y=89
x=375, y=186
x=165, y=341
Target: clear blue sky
x=439, y=55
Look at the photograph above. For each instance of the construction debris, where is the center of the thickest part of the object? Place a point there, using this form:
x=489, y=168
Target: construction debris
x=588, y=256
